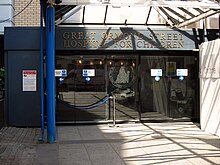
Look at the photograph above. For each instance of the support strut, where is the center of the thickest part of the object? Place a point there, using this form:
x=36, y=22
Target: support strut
x=50, y=74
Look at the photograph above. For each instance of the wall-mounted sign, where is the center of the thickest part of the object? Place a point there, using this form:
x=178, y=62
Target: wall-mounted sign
x=88, y=72
x=29, y=80
x=156, y=72
x=60, y=73
x=182, y=72
x=124, y=38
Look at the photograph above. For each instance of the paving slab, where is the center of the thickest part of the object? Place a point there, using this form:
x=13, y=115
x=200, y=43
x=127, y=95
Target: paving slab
x=174, y=143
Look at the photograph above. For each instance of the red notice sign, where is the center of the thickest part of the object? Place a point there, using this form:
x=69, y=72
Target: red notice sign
x=29, y=80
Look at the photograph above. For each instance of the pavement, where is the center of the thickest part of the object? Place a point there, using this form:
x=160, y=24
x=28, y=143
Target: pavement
x=178, y=143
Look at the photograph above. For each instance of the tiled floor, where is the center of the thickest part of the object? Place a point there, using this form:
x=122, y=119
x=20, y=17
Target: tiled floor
x=179, y=143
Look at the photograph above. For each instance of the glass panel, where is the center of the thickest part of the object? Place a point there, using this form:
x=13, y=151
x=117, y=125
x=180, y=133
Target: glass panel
x=94, y=17
x=153, y=90
x=84, y=87
x=172, y=94
x=121, y=84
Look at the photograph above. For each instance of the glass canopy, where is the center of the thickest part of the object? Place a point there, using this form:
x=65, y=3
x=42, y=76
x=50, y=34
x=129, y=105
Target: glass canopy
x=175, y=14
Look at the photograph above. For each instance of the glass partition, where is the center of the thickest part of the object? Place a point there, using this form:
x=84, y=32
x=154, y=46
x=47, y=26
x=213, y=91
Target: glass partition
x=82, y=91
x=145, y=87
x=168, y=87
x=91, y=80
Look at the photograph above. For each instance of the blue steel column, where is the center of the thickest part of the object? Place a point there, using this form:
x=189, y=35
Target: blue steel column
x=50, y=74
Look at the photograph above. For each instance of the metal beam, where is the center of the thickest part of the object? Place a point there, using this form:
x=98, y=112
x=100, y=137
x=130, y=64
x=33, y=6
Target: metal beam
x=148, y=15
x=199, y=10
x=112, y=24
x=69, y=14
x=164, y=16
x=176, y=13
x=83, y=18
x=104, y=2
x=175, y=21
x=198, y=18
x=106, y=11
x=187, y=4
x=60, y=11
x=186, y=11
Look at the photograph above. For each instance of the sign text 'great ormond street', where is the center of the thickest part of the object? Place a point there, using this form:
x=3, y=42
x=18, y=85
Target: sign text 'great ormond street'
x=83, y=39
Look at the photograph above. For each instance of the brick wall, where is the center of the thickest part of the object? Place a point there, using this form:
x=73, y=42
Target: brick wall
x=30, y=16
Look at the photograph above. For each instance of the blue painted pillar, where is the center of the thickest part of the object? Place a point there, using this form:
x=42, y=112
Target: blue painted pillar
x=50, y=74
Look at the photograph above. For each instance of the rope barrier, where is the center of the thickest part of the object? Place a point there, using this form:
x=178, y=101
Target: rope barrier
x=94, y=105
x=83, y=105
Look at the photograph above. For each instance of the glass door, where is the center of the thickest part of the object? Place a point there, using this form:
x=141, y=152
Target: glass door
x=90, y=81
x=82, y=93
x=122, y=84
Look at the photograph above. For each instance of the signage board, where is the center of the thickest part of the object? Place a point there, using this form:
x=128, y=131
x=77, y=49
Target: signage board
x=124, y=39
x=156, y=72
x=182, y=72
x=29, y=78
x=88, y=72
x=60, y=73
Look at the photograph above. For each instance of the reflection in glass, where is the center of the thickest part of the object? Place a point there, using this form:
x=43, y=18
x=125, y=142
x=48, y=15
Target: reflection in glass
x=122, y=86
x=139, y=94
x=85, y=85
x=170, y=96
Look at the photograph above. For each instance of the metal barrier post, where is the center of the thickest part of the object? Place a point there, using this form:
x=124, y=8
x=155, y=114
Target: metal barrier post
x=114, y=112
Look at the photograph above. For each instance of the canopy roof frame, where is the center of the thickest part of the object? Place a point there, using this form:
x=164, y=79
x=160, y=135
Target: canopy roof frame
x=168, y=10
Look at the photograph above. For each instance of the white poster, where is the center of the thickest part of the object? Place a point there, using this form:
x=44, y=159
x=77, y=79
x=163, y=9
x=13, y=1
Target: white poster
x=182, y=72
x=60, y=73
x=29, y=80
x=156, y=72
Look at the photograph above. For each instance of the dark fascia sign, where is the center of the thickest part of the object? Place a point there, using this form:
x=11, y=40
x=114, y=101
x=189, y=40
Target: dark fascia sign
x=124, y=39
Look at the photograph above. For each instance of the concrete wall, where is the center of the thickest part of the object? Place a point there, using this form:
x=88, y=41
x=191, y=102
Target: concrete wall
x=6, y=14
x=210, y=86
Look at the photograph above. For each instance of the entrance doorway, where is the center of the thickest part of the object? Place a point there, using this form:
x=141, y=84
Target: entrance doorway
x=108, y=75
x=140, y=93
x=83, y=87
x=122, y=84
